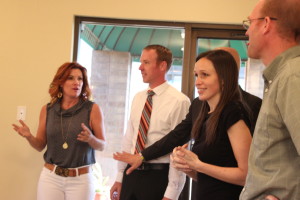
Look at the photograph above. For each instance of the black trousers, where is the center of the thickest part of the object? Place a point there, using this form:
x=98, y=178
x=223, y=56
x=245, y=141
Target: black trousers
x=144, y=184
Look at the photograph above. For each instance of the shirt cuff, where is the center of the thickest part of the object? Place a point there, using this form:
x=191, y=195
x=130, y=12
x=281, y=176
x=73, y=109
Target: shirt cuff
x=172, y=193
x=119, y=177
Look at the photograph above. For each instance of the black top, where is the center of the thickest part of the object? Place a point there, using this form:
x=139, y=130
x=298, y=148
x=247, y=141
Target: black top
x=219, y=153
x=181, y=134
x=254, y=104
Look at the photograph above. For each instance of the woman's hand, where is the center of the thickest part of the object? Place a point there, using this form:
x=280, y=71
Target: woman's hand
x=40, y=140
x=178, y=161
x=22, y=130
x=189, y=158
x=85, y=135
x=134, y=160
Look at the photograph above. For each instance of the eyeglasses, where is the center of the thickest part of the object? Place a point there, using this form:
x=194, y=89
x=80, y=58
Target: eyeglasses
x=247, y=23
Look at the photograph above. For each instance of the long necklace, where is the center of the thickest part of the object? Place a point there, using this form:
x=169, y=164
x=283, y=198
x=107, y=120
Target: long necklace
x=65, y=144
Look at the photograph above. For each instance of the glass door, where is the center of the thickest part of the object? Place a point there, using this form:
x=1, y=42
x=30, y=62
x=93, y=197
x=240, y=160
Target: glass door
x=111, y=53
x=208, y=39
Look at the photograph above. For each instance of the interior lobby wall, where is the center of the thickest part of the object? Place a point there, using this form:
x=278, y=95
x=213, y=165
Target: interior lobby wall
x=36, y=37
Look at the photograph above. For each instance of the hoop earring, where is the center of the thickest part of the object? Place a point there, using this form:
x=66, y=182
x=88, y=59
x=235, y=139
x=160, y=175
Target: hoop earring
x=59, y=95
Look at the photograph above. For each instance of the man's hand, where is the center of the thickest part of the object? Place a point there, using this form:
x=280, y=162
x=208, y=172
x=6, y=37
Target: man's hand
x=115, y=191
x=133, y=160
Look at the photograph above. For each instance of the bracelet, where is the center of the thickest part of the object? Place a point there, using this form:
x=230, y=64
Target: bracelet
x=141, y=156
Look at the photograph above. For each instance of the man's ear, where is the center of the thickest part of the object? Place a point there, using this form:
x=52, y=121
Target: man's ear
x=267, y=26
x=163, y=65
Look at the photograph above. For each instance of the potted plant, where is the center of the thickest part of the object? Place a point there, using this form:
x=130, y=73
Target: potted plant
x=102, y=189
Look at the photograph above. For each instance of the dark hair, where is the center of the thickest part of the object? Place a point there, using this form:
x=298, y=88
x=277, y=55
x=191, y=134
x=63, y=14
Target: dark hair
x=227, y=71
x=287, y=13
x=163, y=53
x=62, y=75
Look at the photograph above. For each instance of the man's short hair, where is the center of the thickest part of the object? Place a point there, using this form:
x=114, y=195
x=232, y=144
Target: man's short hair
x=287, y=14
x=163, y=54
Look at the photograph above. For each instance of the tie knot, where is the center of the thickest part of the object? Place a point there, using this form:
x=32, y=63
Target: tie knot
x=150, y=93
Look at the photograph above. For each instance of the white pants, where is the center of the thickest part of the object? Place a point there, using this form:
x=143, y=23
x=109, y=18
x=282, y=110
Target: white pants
x=54, y=187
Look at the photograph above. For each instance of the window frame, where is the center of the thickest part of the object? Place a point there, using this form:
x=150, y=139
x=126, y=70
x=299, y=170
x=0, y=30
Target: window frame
x=192, y=32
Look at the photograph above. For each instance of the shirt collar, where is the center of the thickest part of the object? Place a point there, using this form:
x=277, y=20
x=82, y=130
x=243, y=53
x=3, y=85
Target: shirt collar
x=160, y=89
x=69, y=112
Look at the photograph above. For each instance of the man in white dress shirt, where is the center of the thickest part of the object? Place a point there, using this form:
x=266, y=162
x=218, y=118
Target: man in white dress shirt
x=154, y=180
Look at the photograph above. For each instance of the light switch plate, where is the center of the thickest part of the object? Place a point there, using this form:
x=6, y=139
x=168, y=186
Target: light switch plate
x=21, y=113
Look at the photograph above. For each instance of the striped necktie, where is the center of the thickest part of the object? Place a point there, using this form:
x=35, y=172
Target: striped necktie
x=144, y=123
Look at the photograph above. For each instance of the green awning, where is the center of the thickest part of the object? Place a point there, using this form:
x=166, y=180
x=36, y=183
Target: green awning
x=134, y=39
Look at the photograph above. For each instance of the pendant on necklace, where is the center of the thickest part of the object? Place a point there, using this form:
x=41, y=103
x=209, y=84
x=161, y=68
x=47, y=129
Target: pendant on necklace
x=65, y=145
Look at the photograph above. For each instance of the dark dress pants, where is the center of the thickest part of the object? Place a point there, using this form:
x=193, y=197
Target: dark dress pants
x=144, y=184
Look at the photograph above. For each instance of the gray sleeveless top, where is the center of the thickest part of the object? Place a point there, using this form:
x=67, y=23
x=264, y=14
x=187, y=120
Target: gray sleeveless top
x=78, y=153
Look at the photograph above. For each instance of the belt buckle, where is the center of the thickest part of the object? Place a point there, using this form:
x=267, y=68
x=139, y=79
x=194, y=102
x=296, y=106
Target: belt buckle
x=62, y=171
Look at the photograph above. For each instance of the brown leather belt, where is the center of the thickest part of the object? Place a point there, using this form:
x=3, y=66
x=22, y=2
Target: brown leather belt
x=67, y=172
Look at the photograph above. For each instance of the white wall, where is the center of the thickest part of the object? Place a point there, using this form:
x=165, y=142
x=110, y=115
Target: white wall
x=36, y=38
